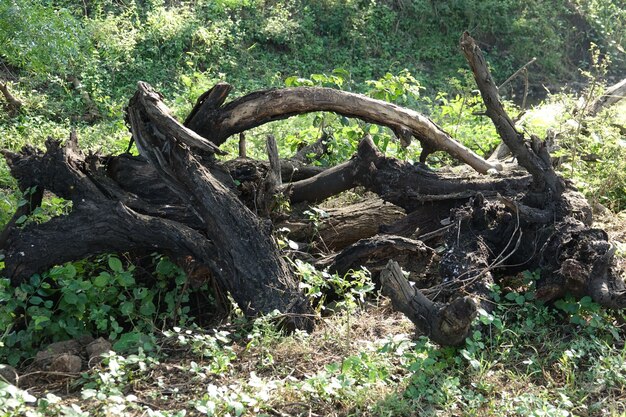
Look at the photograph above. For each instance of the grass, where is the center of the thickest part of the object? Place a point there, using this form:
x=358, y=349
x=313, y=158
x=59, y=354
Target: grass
x=526, y=360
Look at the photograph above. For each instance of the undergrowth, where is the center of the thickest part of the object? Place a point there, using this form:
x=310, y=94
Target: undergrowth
x=523, y=359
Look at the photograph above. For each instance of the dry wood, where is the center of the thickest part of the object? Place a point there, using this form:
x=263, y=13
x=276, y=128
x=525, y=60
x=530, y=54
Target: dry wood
x=14, y=103
x=265, y=106
x=251, y=265
x=447, y=324
x=231, y=243
x=339, y=227
x=242, y=145
x=272, y=156
x=541, y=170
x=611, y=96
x=162, y=121
x=406, y=185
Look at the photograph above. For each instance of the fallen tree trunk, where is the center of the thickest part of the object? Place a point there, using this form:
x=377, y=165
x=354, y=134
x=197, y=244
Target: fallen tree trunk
x=179, y=199
x=546, y=228
x=333, y=229
x=611, y=96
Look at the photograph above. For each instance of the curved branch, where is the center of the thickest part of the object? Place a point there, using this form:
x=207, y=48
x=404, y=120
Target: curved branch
x=266, y=106
x=251, y=266
x=404, y=184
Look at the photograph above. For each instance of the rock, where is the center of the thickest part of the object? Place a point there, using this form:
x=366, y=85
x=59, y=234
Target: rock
x=66, y=363
x=75, y=347
x=96, y=348
x=44, y=358
x=8, y=374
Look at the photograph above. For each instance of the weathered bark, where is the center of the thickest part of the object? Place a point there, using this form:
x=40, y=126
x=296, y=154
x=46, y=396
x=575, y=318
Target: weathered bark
x=535, y=158
x=373, y=253
x=252, y=260
x=231, y=242
x=547, y=228
x=340, y=227
x=404, y=184
x=446, y=324
x=219, y=123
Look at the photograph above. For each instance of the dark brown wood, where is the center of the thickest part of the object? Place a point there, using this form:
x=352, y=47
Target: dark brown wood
x=323, y=185
x=335, y=228
x=403, y=184
x=231, y=243
x=207, y=103
x=375, y=252
x=178, y=199
x=446, y=324
x=252, y=268
x=272, y=156
x=242, y=145
x=541, y=170
x=261, y=107
x=314, y=151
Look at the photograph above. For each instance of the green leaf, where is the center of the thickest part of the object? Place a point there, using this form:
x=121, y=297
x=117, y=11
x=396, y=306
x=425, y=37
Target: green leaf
x=147, y=309
x=165, y=267
x=125, y=279
x=140, y=293
x=115, y=264
x=70, y=297
x=102, y=280
x=127, y=307
x=127, y=341
x=36, y=300
x=35, y=280
x=69, y=271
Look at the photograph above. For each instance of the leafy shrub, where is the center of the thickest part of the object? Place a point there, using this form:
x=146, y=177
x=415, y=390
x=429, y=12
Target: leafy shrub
x=90, y=298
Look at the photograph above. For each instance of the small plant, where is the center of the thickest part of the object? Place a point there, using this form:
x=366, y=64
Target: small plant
x=351, y=289
x=213, y=348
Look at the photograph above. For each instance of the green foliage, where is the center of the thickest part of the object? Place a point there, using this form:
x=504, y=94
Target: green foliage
x=40, y=38
x=84, y=298
x=107, y=387
x=351, y=288
x=591, y=148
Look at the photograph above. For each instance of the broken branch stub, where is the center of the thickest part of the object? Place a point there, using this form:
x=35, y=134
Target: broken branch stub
x=446, y=324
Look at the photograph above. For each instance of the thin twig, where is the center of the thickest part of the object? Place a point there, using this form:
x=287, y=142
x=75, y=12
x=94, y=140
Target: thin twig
x=516, y=73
